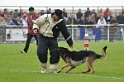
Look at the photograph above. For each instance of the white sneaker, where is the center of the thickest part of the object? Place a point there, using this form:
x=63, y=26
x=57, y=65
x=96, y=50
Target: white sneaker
x=22, y=51
x=43, y=70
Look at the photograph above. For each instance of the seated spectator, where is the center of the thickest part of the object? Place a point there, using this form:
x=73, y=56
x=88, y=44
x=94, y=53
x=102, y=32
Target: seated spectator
x=24, y=20
x=101, y=22
x=94, y=18
x=108, y=17
x=114, y=21
x=72, y=20
x=41, y=12
x=2, y=22
x=82, y=21
x=97, y=17
x=13, y=19
x=15, y=14
x=19, y=21
x=79, y=15
x=10, y=22
x=89, y=20
x=106, y=11
x=5, y=18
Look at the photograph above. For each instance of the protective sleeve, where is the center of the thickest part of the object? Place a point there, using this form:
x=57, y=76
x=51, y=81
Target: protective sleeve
x=63, y=29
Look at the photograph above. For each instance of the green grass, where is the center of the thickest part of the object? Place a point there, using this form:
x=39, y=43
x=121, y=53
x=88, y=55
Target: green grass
x=17, y=67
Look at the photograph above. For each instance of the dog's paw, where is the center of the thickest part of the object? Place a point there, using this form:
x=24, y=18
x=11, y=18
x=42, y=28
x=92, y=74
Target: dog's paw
x=66, y=72
x=92, y=72
x=58, y=71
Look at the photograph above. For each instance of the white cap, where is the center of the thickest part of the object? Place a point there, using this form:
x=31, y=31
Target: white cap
x=86, y=35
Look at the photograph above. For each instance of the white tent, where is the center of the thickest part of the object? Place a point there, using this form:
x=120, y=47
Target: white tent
x=61, y=2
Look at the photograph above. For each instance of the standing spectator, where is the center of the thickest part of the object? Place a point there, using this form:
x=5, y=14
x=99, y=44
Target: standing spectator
x=0, y=12
x=113, y=28
x=24, y=20
x=48, y=11
x=15, y=14
x=20, y=13
x=121, y=21
x=51, y=25
x=106, y=11
x=120, y=18
x=64, y=13
x=108, y=17
x=87, y=13
x=5, y=12
x=30, y=20
x=65, y=16
x=123, y=12
x=94, y=12
x=100, y=24
x=79, y=15
x=101, y=11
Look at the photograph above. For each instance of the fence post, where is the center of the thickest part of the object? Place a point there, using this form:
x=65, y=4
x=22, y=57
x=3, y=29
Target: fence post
x=108, y=33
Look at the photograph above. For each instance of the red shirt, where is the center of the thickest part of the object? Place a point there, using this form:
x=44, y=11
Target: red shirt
x=30, y=21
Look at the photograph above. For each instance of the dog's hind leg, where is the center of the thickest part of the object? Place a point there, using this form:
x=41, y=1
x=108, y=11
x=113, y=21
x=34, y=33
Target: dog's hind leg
x=72, y=67
x=66, y=65
x=89, y=64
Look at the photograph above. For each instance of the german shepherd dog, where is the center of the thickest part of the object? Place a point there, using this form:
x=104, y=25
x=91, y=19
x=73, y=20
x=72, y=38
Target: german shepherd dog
x=76, y=58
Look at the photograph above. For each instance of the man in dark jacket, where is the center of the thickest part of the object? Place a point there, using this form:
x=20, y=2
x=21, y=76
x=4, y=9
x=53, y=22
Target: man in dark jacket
x=49, y=26
x=32, y=16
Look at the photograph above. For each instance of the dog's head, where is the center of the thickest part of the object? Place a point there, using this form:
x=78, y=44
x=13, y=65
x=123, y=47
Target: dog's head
x=61, y=50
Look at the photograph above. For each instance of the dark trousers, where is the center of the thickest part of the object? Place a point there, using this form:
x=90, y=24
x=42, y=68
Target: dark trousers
x=44, y=44
x=29, y=37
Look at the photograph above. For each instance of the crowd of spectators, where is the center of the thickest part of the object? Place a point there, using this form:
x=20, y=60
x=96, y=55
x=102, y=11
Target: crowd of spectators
x=89, y=17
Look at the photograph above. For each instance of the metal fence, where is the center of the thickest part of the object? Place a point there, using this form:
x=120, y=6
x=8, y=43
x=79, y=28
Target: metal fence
x=107, y=33
x=69, y=9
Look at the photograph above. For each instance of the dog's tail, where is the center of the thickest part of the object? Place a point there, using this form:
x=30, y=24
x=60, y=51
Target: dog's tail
x=103, y=56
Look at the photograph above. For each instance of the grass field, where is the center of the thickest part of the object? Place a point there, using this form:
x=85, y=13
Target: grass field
x=17, y=67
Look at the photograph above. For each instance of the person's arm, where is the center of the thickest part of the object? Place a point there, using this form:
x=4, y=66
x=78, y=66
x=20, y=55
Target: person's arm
x=38, y=22
x=65, y=33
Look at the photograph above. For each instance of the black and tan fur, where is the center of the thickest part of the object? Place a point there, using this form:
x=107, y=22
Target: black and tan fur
x=75, y=58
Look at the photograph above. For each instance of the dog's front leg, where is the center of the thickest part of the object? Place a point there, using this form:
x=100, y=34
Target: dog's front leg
x=87, y=70
x=66, y=65
x=72, y=67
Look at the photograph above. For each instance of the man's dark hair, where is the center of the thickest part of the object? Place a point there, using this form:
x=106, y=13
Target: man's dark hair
x=31, y=9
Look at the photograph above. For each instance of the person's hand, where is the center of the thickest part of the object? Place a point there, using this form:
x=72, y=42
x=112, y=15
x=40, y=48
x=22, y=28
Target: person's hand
x=35, y=30
x=72, y=47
